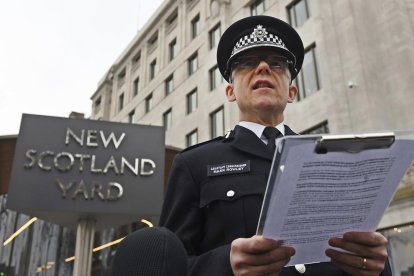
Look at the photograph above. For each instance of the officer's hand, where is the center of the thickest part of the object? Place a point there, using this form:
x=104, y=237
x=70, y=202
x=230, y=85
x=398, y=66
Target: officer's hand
x=258, y=256
x=369, y=253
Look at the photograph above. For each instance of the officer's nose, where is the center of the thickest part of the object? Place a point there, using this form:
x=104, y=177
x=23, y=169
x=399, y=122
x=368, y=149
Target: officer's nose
x=263, y=67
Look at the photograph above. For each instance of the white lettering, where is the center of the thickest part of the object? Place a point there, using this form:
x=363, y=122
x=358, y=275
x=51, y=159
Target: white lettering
x=131, y=168
x=41, y=157
x=70, y=133
x=111, y=164
x=32, y=159
x=111, y=137
x=113, y=186
x=64, y=188
x=110, y=191
x=91, y=138
x=151, y=163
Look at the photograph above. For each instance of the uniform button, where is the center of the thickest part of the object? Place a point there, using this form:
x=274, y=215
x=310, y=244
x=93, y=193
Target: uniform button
x=230, y=193
x=301, y=268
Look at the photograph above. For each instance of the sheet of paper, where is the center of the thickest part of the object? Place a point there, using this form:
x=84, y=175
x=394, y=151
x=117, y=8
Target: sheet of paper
x=319, y=196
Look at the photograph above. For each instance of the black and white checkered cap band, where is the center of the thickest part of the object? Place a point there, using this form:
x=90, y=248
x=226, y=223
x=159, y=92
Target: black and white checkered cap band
x=259, y=38
x=252, y=41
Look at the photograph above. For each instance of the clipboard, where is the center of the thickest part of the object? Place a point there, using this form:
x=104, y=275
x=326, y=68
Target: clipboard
x=316, y=182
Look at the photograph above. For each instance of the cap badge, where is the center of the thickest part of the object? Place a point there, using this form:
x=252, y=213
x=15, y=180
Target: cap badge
x=260, y=37
x=259, y=32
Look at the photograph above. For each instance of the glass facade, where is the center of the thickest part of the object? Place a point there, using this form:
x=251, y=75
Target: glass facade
x=42, y=247
x=401, y=250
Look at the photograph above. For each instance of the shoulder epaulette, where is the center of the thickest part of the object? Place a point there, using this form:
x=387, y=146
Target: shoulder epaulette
x=203, y=143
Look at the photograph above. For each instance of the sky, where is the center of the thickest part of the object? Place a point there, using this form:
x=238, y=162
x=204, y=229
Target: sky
x=54, y=52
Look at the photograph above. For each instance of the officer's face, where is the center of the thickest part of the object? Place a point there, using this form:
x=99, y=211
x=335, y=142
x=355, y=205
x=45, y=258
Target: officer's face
x=261, y=86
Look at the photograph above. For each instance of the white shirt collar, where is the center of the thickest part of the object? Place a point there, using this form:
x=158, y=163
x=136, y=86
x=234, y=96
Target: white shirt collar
x=258, y=128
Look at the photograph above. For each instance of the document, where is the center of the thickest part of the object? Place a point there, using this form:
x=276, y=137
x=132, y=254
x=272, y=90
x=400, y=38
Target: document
x=319, y=196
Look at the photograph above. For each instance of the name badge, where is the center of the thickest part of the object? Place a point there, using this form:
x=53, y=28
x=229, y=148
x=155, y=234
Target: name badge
x=228, y=168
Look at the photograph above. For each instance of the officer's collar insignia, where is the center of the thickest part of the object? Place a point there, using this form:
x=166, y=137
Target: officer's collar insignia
x=229, y=135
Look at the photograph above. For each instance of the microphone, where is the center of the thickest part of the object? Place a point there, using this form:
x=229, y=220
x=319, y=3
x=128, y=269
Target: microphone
x=153, y=251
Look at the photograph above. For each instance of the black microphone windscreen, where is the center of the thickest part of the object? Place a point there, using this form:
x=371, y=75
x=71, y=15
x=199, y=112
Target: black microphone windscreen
x=150, y=252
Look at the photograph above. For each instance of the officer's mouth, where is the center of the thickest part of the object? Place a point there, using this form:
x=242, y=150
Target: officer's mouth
x=262, y=84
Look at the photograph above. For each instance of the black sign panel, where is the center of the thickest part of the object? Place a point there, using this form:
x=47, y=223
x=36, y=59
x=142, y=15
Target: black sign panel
x=67, y=169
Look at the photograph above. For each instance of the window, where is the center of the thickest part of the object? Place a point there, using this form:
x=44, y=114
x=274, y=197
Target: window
x=172, y=49
x=321, y=128
x=217, y=122
x=215, y=78
x=121, y=102
x=195, y=26
x=148, y=103
x=172, y=19
x=192, y=101
x=298, y=12
x=153, y=69
x=192, y=64
x=191, y=3
x=214, y=36
x=169, y=85
x=152, y=42
x=131, y=116
x=192, y=138
x=121, y=77
x=308, y=79
x=257, y=8
x=167, y=119
x=97, y=104
x=136, y=60
x=135, y=87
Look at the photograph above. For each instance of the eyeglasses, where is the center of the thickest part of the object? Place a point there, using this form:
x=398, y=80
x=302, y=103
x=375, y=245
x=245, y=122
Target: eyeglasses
x=251, y=62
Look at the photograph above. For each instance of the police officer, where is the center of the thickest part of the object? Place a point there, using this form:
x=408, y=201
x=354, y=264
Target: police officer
x=216, y=188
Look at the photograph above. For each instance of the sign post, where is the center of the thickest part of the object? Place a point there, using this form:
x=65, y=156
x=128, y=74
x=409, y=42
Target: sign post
x=88, y=175
x=83, y=251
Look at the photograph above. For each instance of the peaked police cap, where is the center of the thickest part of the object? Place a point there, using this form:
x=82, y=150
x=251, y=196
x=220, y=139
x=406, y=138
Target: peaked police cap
x=256, y=32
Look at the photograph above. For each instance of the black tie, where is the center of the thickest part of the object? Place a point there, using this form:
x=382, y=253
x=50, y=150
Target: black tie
x=271, y=133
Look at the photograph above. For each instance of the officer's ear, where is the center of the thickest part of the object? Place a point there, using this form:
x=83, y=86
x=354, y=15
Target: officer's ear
x=231, y=97
x=293, y=91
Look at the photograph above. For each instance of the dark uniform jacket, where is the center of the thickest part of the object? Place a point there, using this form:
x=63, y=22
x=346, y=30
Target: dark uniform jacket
x=214, y=196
